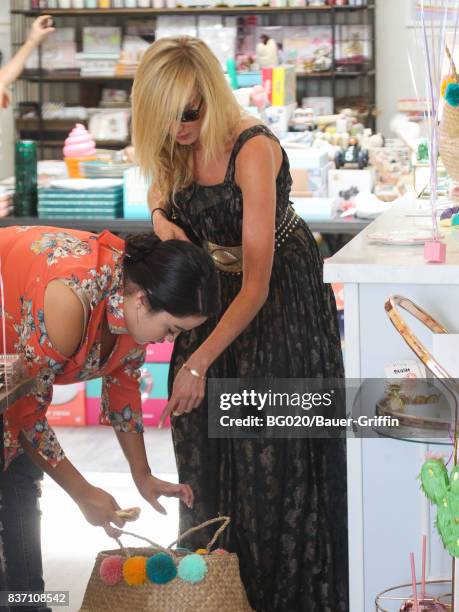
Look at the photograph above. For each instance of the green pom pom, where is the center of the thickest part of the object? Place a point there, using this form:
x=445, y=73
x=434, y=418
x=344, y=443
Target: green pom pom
x=161, y=568
x=452, y=94
x=434, y=479
x=192, y=568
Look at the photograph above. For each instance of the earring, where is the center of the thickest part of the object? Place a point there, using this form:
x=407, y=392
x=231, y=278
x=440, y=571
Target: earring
x=138, y=308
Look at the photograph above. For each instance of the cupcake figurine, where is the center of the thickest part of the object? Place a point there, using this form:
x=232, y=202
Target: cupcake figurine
x=79, y=146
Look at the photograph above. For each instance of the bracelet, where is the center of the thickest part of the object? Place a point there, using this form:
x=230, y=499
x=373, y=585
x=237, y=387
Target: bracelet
x=193, y=372
x=162, y=210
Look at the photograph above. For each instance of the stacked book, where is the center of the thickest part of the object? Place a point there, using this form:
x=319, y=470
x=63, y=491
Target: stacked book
x=97, y=64
x=81, y=199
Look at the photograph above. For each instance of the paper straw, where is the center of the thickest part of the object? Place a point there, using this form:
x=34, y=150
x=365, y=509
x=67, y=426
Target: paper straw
x=424, y=549
x=413, y=581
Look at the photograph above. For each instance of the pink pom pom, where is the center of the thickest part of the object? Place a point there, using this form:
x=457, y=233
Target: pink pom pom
x=111, y=570
x=220, y=551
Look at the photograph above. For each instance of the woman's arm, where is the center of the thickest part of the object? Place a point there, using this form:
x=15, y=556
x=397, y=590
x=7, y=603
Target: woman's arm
x=98, y=506
x=149, y=486
x=162, y=226
x=256, y=170
x=11, y=71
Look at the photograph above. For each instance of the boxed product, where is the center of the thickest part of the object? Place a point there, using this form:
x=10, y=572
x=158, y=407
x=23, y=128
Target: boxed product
x=279, y=83
x=305, y=157
x=321, y=105
x=220, y=36
x=314, y=209
x=342, y=180
x=58, y=52
x=135, y=195
x=67, y=408
x=310, y=183
x=102, y=40
x=306, y=47
x=278, y=118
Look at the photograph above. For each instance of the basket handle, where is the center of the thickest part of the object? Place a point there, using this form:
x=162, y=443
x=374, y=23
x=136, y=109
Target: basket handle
x=224, y=519
x=453, y=65
x=135, y=535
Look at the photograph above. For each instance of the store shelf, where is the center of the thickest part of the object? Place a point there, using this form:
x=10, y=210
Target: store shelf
x=73, y=77
x=63, y=77
x=211, y=10
x=334, y=226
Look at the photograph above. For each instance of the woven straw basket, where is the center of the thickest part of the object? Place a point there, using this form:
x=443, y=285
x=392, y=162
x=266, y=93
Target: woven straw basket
x=449, y=133
x=449, y=140
x=220, y=591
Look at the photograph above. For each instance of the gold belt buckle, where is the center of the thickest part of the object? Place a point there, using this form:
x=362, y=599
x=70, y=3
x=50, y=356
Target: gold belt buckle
x=226, y=258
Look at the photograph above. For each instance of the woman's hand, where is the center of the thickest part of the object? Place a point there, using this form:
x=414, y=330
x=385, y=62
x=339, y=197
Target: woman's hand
x=188, y=391
x=5, y=96
x=99, y=508
x=150, y=488
x=166, y=230
x=40, y=30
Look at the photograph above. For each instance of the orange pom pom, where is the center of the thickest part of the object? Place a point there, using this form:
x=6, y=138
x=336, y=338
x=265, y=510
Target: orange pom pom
x=446, y=81
x=201, y=551
x=134, y=570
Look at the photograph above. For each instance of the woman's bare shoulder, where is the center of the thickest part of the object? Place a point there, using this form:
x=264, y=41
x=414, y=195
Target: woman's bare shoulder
x=64, y=318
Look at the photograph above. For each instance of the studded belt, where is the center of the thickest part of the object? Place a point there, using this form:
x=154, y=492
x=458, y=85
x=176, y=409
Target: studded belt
x=229, y=258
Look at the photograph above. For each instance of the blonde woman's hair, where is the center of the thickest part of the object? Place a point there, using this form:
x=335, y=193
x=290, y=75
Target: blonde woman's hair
x=171, y=71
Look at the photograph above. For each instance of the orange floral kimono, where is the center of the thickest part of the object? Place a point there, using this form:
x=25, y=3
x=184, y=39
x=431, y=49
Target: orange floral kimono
x=92, y=265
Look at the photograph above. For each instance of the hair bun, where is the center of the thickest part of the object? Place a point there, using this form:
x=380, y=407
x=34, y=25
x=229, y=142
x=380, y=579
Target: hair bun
x=139, y=246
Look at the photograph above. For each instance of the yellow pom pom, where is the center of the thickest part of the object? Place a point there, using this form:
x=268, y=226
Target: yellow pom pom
x=201, y=551
x=134, y=570
x=446, y=81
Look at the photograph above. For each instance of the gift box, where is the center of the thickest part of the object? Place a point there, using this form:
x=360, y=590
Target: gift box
x=343, y=180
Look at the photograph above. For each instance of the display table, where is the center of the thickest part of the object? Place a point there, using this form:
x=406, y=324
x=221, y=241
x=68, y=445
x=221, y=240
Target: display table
x=349, y=226
x=387, y=511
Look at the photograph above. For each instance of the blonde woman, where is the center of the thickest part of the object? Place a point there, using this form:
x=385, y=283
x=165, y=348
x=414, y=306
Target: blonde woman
x=222, y=179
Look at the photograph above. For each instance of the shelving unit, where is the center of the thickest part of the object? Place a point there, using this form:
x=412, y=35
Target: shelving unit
x=44, y=85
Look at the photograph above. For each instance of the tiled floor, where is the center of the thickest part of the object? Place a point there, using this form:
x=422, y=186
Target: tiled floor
x=69, y=543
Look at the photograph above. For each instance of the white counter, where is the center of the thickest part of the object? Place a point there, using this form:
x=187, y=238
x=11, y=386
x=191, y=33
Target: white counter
x=361, y=261
x=388, y=514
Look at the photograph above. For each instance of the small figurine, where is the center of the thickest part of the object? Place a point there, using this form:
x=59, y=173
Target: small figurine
x=267, y=52
x=352, y=156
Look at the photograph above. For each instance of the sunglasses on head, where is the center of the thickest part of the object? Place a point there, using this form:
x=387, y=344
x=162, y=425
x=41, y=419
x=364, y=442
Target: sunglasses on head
x=191, y=114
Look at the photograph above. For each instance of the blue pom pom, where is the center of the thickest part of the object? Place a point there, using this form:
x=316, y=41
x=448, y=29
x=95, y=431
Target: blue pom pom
x=161, y=568
x=452, y=94
x=192, y=568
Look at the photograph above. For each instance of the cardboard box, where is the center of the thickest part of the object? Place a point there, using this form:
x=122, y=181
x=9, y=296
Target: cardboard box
x=306, y=158
x=284, y=85
x=342, y=180
x=68, y=406
x=314, y=209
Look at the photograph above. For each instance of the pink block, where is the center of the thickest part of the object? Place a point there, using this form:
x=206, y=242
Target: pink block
x=160, y=352
x=435, y=251
x=152, y=410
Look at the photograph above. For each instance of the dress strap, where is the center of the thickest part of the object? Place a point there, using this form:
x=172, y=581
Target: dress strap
x=244, y=136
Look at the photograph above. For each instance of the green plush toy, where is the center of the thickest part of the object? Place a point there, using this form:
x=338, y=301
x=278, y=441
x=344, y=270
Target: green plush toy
x=443, y=490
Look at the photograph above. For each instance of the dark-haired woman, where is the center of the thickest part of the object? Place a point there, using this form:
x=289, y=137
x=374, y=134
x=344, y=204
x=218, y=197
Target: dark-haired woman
x=78, y=306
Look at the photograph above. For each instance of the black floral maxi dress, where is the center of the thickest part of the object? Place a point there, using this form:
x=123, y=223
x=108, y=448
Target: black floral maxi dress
x=286, y=498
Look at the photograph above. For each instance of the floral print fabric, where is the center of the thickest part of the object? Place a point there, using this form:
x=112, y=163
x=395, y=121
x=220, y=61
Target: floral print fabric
x=91, y=265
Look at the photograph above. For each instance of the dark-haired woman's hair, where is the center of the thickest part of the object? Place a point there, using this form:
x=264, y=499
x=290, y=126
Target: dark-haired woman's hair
x=177, y=276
